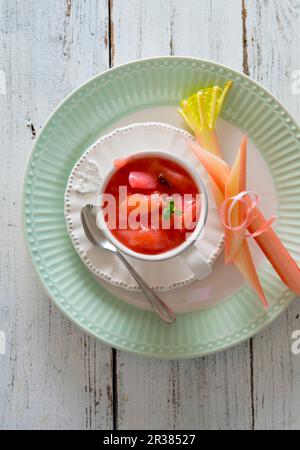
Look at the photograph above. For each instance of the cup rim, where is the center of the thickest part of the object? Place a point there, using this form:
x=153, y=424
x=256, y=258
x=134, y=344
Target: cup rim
x=195, y=235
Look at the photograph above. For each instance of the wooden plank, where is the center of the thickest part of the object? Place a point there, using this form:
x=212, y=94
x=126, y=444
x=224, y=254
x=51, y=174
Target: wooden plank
x=52, y=376
x=141, y=29
x=273, y=54
x=205, y=393
x=213, y=392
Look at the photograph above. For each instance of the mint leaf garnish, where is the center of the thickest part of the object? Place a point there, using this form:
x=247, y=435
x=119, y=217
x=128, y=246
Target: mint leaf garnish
x=171, y=209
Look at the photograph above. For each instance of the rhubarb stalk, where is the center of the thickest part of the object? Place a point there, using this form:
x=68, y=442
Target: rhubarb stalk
x=236, y=183
x=268, y=242
x=237, y=248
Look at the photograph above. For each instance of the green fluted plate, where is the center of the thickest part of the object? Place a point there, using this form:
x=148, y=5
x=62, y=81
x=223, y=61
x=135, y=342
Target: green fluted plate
x=76, y=124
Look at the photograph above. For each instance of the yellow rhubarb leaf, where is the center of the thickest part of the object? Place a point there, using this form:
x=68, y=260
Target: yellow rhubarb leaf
x=201, y=111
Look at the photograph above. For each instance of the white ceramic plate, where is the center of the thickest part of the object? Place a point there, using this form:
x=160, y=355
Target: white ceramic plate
x=225, y=279
x=83, y=187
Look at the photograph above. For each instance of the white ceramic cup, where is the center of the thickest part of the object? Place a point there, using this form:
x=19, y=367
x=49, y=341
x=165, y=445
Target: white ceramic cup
x=187, y=251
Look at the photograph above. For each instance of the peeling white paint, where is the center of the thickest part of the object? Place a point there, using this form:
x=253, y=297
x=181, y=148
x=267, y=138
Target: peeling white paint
x=2, y=82
x=296, y=83
x=2, y=343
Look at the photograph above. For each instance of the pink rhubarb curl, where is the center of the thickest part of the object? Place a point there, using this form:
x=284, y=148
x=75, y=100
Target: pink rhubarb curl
x=250, y=205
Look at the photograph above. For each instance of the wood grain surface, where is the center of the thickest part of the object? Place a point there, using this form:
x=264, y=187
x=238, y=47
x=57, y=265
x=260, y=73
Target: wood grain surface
x=53, y=375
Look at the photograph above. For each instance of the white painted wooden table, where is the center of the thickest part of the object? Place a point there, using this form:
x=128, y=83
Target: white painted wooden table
x=53, y=375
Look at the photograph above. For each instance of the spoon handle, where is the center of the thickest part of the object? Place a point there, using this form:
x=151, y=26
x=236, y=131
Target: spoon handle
x=161, y=309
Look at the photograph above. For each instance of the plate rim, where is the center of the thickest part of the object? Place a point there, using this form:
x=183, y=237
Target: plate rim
x=287, y=296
